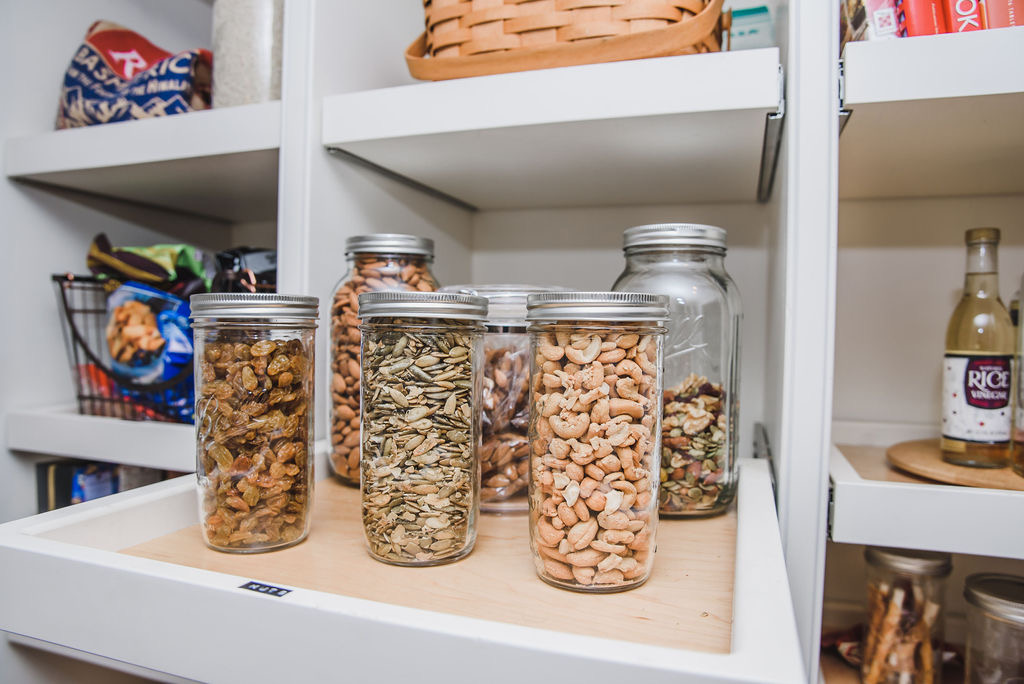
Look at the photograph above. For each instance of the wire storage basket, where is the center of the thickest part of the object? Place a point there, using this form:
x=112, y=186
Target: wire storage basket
x=100, y=389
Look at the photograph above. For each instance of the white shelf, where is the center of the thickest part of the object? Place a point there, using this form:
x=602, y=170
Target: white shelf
x=64, y=432
x=934, y=116
x=873, y=506
x=326, y=634
x=220, y=163
x=676, y=129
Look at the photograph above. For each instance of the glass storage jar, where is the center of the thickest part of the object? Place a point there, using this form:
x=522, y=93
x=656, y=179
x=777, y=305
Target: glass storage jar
x=904, y=636
x=594, y=433
x=995, y=629
x=382, y=262
x=254, y=418
x=420, y=468
x=701, y=375
x=246, y=51
x=505, y=398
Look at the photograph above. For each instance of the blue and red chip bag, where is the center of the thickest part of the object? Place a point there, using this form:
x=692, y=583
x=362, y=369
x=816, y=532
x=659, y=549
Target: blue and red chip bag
x=117, y=75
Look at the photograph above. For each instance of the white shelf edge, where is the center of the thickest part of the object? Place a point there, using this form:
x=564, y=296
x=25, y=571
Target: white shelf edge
x=934, y=67
x=208, y=133
x=765, y=646
x=62, y=431
x=670, y=85
x=922, y=516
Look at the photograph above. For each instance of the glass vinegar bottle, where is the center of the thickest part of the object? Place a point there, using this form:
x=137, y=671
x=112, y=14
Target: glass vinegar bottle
x=977, y=370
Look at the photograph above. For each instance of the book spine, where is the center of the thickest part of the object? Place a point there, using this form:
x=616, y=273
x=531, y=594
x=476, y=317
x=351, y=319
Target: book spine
x=921, y=17
x=1004, y=13
x=965, y=15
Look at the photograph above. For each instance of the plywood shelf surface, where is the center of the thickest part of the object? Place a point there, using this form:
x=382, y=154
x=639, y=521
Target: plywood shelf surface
x=934, y=116
x=650, y=131
x=219, y=163
x=706, y=614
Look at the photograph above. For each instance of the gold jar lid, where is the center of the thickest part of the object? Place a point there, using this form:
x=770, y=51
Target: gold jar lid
x=975, y=235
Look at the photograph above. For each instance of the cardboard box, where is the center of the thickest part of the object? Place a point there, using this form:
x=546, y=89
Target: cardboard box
x=921, y=17
x=965, y=15
x=1004, y=13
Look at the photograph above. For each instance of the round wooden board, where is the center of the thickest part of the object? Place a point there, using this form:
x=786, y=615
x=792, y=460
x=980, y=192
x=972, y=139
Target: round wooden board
x=923, y=457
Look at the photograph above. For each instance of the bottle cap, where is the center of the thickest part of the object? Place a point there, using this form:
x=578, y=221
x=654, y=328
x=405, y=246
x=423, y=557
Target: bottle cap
x=982, y=235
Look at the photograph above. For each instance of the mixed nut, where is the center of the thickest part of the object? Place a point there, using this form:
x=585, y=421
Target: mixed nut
x=694, y=432
x=898, y=642
x=370, y=273
x=253, y=418
x=594, y=433
x=505, y=453
x=420, y=474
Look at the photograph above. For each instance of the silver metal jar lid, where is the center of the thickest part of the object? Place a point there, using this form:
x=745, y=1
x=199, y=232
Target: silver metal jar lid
x=422, y=305
x=930, y=563
x=998, y=594
x=660, y=235
x=389, y=243
x=506, y=303
x=243, y=305
x=597, y=306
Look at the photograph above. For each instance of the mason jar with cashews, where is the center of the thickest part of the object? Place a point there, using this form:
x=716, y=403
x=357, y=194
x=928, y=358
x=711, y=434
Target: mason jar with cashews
x=594, y=436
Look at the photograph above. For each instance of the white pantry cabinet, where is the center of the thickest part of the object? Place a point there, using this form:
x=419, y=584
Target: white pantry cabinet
x=520, y=177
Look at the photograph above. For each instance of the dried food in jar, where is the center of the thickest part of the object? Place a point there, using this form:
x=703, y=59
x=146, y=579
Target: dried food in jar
x=505, y=400
x=253, y=422
x=694, y=429
x=371, y=272
x=420, y=475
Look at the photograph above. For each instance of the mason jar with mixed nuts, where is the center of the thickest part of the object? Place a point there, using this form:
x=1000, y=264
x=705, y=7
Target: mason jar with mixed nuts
x=381, y=262
x=254, y=418
x=594, y=437
x=420, y=469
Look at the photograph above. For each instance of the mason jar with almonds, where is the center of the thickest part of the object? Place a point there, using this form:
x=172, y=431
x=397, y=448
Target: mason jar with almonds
x=420, y=468
x=595, y=412
x=505, y=400
x=254, y=418
x=382, y=262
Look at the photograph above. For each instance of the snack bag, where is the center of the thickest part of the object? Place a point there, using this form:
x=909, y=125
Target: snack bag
x=117, y=75
x=149, y=340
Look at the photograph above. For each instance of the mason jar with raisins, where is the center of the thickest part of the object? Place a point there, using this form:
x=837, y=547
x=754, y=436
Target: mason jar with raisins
x=254, y=418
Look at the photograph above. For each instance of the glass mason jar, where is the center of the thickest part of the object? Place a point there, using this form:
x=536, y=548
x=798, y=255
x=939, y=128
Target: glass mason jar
x=246, y=51
x=505, y=398
x=594, y=433
x=420, y=468
x=254, y=418
x=904, y=637
x=702, y=354
x=383, y=262
x=995, y=629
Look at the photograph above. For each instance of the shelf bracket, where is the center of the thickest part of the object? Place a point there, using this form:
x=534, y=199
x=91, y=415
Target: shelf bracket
x=772, y=143
x=763, y=450
x=844, y=113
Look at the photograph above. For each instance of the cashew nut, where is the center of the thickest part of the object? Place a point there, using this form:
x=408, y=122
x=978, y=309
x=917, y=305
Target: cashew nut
x=568, y=425
x=548, y=349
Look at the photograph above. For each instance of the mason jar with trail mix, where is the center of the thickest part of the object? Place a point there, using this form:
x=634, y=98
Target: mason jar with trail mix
x=505, y=401
x=594, y=433
x=382, y=262
x=254, y=418
x=701, y=398
x=420, y=468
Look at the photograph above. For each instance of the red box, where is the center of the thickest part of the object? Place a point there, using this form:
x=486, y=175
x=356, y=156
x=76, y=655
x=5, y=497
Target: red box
x=965, y=15
x=1003, y=13
x=921, y=17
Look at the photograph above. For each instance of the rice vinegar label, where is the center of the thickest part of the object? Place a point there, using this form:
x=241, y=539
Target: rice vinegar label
x=976, y=398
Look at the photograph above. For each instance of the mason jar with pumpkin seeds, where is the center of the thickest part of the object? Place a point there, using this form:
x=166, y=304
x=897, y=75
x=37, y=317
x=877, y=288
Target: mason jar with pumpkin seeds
x=421, y=382
x=254, y=418
x=594, y=436
x=381, y=262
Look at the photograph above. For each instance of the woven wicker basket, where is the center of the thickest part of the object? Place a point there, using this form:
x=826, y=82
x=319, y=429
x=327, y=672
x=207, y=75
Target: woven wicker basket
x=477, y=37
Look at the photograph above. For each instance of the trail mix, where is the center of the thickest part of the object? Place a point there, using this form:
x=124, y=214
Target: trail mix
x=253, y=422
x=505, y=453
x=371, y=273
x=594, y=422
x=420, y=476
x=898, y=642
x=693, y=447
